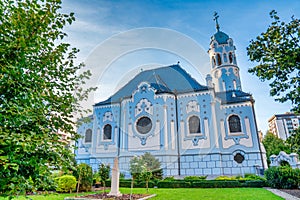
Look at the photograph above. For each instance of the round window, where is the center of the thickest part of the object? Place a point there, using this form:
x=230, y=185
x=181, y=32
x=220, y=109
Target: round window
x=144, y=125
x=239, y=158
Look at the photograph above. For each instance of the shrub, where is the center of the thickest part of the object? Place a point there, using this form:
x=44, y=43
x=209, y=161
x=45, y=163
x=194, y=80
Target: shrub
x=253, y=177
x=169, y=178
x=283, y=177
x=216, y=184
x=84, y=175
x=225, y=178
x=66, y=183
x=173, y=184
x=194, y=178
x=254, y=183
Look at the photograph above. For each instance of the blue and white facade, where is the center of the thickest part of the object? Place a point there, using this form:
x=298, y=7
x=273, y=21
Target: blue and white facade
x=192, y=129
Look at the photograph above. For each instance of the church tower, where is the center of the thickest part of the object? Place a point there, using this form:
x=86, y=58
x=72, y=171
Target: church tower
x=225, y=72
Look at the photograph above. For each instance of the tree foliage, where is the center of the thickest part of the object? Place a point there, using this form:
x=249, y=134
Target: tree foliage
x=145, y=167
x=274, y=145
x=40, y=90
x=84, y=175
x=277, y=52
x=293, y=141
x=104, y=173
x=153, y=164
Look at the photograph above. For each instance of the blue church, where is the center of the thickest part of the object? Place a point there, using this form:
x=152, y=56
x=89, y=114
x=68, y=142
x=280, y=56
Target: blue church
x=192, y=129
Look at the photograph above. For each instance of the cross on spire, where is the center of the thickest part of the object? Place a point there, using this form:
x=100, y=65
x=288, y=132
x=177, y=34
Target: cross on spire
x=216, y=16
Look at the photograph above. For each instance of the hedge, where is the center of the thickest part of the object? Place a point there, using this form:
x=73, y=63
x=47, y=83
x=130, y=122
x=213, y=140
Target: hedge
x=174, y=184
x=194, y=184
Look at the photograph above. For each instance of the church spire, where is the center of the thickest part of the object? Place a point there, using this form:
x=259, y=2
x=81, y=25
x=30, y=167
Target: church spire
x=216, y=16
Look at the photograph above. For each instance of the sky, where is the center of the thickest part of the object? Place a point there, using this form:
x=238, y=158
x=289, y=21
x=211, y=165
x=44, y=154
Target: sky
x=118, y=39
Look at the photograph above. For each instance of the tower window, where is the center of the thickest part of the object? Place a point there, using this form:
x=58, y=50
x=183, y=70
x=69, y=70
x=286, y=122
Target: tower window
x=230, y=58
x=107, y=132
x=219, y=59
x=213, y=61
x=225, y=57
x=194, y=124
x=234, y=84
x=234, y=124
x=88, y=136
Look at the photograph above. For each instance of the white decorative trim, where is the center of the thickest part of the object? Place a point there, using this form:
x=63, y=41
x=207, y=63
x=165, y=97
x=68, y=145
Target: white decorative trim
x=108, y=116
x=173, y=135
x=164, y=96
x=107, y=106
x=247, y=141
x=214, y=119
x=193, y=94
x=143, y=86
x=236, y=105
x=192, y=106
x=165, y=127
x=143, y=104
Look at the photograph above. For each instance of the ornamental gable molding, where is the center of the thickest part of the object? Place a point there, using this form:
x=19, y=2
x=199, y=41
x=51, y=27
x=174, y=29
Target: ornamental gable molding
x=143, y=105
x=143, y=87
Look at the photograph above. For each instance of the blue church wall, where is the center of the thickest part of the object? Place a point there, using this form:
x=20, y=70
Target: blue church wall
x=192, y=129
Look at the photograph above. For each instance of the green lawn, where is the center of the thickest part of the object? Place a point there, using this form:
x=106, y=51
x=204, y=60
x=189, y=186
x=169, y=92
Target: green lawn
x=187, y=193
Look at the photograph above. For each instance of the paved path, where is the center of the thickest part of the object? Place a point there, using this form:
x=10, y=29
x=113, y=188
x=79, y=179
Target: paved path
x=282, y=194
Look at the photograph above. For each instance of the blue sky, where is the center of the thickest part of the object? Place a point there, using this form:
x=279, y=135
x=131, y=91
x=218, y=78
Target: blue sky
x=115, y=36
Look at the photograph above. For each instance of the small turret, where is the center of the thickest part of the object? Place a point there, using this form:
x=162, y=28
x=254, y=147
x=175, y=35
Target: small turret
x=225, y=72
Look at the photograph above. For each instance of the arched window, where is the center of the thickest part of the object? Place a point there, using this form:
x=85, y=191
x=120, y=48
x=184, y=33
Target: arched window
x=230, y=58
x=194, y=124
x=107, y=132
x=225, y=57
x=219, y=59
x=88, y=136
x=234, y=84
x=234, y=124
x=213, y=61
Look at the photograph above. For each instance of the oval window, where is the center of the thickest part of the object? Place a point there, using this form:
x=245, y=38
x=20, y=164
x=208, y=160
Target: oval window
x=144, y=125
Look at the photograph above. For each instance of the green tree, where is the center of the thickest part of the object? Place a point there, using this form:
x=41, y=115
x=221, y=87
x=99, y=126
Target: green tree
x=277, y=52
x=40, y=90
x=274, y=145
x=153, y=164
x=104, y=173
x=293, y=141
x=84, y=175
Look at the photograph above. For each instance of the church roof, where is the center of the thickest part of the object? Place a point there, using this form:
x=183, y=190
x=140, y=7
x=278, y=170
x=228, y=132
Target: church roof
x=234, y=96
x=170, y=79
x=220, y=37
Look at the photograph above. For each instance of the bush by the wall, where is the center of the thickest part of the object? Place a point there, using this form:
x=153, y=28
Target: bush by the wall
x=254, y=183
x=66, y=183
x=173, y=184
x=216, y=184
x=283, y=177
x=194, y=178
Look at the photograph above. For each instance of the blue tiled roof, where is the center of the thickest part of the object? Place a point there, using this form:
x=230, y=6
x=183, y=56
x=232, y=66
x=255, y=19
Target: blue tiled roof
x=221, y=37
x=234, y=96
x=170, y=79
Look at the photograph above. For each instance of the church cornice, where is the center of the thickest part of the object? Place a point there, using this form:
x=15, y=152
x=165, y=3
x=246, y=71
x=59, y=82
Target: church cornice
x=107, y=106
x=236, y=105
x=193, y=94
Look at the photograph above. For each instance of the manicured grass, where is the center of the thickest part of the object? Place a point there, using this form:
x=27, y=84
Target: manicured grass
x=186, y=194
